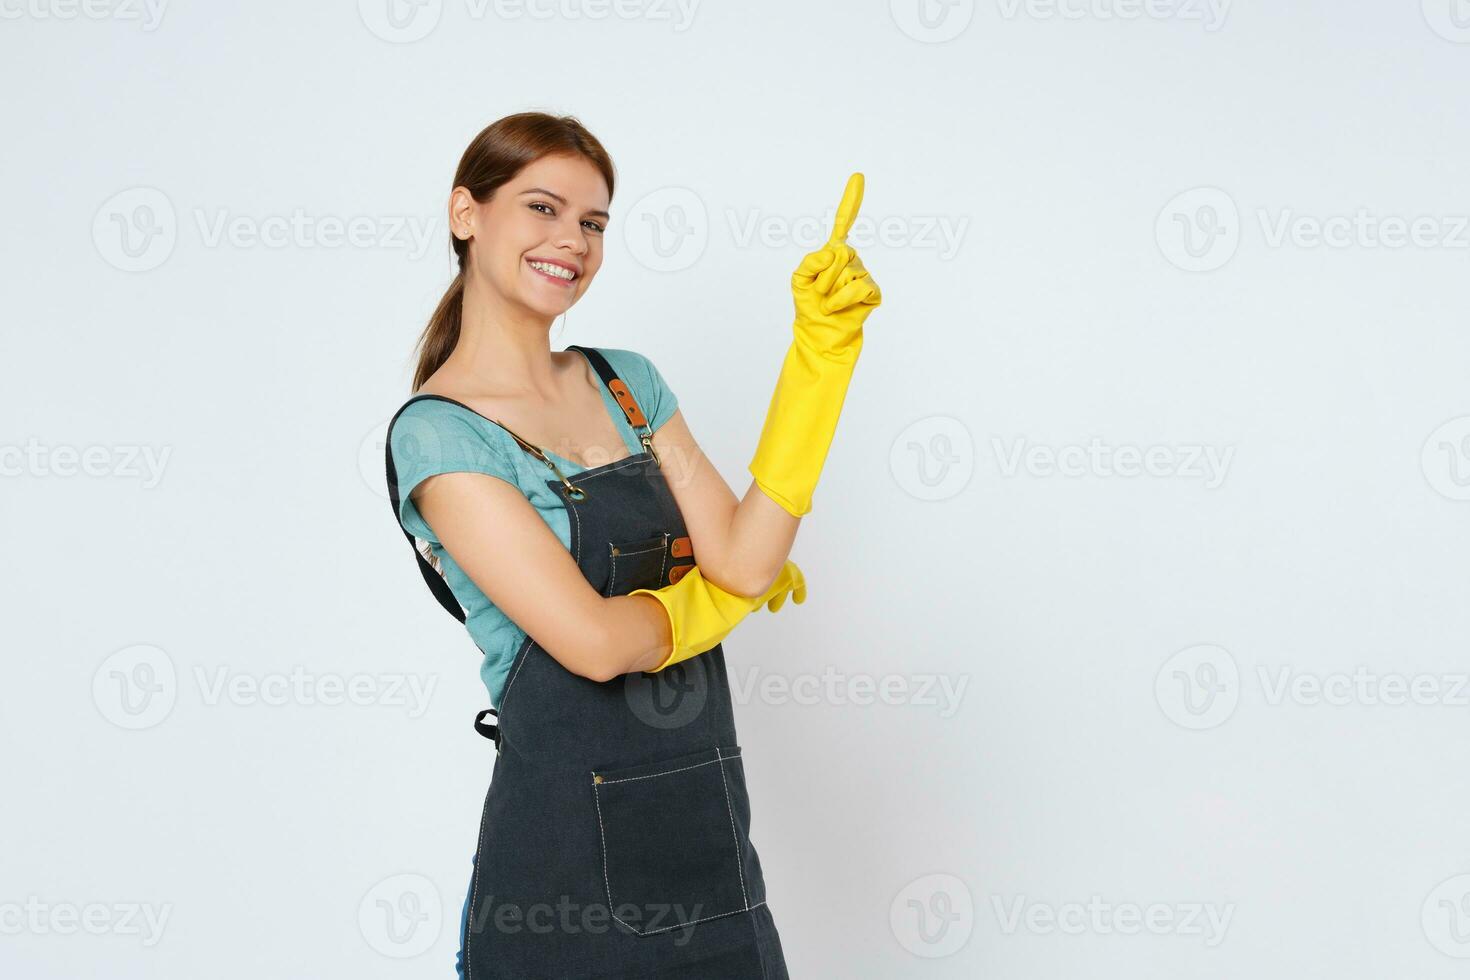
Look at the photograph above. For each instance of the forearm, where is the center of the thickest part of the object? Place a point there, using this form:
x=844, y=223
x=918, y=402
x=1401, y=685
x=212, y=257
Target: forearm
x=693, y=615
x=637, y=636
x=759, y=541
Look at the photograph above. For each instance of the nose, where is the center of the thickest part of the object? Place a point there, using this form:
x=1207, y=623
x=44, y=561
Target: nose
x=571, y=235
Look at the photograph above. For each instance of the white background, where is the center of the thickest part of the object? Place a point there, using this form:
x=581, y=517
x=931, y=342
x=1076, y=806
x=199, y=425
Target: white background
x=1099, y=235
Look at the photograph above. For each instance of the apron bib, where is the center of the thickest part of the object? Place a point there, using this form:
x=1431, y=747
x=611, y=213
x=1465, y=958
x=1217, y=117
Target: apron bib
x=615, y=835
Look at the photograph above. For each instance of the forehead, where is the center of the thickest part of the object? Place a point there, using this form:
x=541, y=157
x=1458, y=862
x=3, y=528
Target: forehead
x=572, y=177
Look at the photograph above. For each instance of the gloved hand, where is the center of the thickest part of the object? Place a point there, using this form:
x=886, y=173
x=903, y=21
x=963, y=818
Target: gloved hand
x=833, y=294
x=701, y=614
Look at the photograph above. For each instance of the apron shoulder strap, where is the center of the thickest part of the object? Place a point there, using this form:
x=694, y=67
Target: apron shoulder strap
x=436, y=582
x=622, y=394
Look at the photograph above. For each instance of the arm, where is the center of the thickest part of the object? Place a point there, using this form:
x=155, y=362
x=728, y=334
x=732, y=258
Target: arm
x=740, y=545
x=480, y=520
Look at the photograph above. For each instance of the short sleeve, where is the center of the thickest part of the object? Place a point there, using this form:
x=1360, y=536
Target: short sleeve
x=653, y=393
x=432, y=437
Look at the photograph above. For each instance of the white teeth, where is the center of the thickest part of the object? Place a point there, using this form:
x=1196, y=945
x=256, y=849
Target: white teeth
x=554, y=270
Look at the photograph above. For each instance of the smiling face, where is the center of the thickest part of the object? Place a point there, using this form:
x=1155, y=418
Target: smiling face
x=537, y=242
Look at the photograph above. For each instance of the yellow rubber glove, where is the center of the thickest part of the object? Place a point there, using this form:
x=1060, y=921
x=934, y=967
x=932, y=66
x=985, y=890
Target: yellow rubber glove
x=701, y=614
x=834, y=295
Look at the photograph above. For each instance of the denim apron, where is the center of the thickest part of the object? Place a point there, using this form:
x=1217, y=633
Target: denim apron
x=615, y=835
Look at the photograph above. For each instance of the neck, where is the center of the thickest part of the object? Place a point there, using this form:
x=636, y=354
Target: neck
x=503, y=347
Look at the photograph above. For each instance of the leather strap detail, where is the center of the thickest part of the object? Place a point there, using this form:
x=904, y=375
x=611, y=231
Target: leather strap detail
x=625, y=400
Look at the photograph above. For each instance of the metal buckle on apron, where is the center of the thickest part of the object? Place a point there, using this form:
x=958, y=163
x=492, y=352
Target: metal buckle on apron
x=646, y=437
x=573, y=491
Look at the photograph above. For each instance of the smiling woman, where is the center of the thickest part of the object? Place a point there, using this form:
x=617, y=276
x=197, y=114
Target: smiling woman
x=557, y=501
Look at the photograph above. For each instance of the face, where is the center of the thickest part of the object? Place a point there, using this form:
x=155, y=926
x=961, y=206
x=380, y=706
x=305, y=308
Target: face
x=543, y=225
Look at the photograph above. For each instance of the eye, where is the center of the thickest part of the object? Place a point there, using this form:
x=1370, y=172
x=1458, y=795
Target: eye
x=552, y=211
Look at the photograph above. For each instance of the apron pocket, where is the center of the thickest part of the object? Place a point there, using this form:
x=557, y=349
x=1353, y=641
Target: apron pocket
x=636, y=564
x=675, y=840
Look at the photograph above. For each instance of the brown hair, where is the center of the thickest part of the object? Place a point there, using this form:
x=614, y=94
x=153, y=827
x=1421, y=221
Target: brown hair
x=494, y=157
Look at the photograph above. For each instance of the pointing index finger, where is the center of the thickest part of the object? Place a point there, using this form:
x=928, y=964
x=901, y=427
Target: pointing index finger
x=852, y=199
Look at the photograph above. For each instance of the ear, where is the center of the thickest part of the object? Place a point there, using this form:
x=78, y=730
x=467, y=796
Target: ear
x=461, y=213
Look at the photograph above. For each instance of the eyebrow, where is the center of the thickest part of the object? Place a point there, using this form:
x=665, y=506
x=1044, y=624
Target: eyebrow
x=562, y=200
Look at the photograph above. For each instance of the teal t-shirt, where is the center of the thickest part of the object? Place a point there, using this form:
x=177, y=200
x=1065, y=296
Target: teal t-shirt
x=433, y=436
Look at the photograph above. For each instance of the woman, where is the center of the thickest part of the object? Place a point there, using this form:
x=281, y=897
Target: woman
x=615, y=837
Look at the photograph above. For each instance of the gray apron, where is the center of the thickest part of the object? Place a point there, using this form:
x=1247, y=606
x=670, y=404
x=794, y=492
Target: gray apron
x=615, y=836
